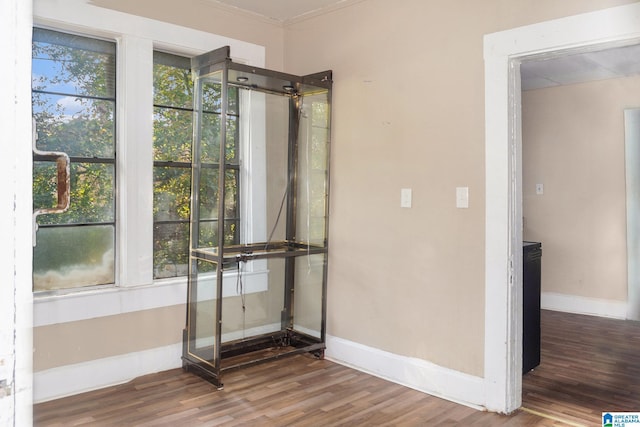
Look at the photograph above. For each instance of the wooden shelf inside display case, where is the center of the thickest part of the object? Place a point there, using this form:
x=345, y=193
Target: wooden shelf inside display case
x=235, y=253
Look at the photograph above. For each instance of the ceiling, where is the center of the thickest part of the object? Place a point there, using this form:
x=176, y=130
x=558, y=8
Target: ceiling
x=582, y=67
x=282, y=11
x=536, y=74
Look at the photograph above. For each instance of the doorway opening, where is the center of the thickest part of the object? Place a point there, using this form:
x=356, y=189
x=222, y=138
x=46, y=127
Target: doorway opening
x=504, y=52
x=573, y=175
x=573, y=195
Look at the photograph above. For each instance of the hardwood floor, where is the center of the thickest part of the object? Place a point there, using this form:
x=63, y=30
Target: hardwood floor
x=588, y=366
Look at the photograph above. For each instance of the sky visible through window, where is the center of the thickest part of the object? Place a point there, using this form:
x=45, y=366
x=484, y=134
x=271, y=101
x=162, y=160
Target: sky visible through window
x=73, y=101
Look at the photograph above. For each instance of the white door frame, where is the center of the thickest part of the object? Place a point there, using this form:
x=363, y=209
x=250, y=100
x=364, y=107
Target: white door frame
x=16, y=310
x=632, y=172
x=503, y=53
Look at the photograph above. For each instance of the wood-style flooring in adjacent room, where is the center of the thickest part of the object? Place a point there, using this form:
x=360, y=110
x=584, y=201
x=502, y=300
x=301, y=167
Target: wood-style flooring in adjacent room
x=589, y=365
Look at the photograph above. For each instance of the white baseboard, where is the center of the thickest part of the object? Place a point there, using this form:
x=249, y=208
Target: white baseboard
x=73, y=379
x=95, y=374
x=411, y=372
x=583, y=305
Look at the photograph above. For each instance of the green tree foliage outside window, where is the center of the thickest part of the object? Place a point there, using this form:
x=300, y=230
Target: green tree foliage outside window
x=73, y=87
x=172, y=131
x=172, y=150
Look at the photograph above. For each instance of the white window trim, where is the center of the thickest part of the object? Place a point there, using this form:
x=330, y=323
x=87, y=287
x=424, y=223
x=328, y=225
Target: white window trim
x=137, y=37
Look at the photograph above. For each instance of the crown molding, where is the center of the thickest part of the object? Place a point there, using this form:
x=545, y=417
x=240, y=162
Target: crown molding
x=321, y=11
x=281, y=22
x=242, y=12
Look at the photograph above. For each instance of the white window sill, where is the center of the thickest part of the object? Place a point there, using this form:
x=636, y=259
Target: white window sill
x=111, y=301
x=82, y=305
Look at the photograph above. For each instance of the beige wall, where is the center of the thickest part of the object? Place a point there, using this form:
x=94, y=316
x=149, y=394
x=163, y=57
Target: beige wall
x=408, y=113
x=573, y=143
x=82, y=341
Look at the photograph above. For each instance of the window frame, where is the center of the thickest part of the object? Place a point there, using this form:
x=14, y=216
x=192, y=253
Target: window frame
x=76, y=159
x=172, y=164
x=136, y=39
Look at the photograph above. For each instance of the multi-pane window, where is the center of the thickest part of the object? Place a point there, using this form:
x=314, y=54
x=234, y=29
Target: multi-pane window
x=74, y=94
x=73, y=87
x=172, y=137
x=172, y=134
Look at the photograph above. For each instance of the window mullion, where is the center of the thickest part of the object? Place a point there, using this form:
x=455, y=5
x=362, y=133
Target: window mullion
x=134, y=161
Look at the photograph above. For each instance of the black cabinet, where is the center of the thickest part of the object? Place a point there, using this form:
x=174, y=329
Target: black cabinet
x=531, y=272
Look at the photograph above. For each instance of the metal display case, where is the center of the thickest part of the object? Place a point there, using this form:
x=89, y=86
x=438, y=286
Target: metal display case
x=259, y=216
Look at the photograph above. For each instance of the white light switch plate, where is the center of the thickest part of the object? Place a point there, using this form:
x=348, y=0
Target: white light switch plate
x=539, y=189
x=405, y=198
x=462, y=197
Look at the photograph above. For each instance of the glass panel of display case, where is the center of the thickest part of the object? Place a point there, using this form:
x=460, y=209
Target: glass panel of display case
x=312, y=169
x=202, y=313
x=308, y=295
x=245, y=313
x=264, y=130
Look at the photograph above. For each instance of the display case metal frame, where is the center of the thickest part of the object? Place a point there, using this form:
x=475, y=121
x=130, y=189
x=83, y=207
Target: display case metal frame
x=287, y=341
